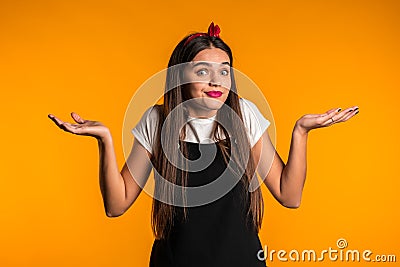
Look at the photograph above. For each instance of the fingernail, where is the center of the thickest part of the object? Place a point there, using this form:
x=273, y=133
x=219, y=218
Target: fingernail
x=339, y=109
x=357, y=111
x=350, y=110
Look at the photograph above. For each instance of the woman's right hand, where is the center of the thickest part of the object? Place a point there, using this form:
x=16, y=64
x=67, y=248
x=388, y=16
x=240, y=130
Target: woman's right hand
x=83, y=127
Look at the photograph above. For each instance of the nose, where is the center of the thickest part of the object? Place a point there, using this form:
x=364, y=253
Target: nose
x=214, y=82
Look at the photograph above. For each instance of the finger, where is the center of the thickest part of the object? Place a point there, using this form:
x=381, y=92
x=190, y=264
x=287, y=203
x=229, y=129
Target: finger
x=332, y=112
x=55, y=119
x=327, y=113
x=349, y=114
x=73, y=128
x=329, y=120
x=335, y=118
x=345, y=113
x=77, y=118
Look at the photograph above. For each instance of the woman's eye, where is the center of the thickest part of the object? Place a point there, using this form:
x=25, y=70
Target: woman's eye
x=224, y=72
x=202, y=72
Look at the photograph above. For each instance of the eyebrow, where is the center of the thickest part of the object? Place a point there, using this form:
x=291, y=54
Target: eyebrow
x=208, y=64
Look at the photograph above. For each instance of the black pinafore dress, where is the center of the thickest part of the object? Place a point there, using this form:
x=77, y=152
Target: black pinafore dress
x=215, y=234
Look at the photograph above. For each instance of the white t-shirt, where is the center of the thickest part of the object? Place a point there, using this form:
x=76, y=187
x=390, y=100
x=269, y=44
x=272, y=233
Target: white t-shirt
x=255, y=124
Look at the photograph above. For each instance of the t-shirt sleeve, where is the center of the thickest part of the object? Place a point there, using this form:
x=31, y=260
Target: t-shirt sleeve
x=145, y=129
x=255, y=122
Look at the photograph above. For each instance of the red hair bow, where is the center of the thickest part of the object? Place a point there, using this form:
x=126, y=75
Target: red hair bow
x=212, y=31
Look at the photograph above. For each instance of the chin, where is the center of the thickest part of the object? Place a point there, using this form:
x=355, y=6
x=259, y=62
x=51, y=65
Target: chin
x=214, y=103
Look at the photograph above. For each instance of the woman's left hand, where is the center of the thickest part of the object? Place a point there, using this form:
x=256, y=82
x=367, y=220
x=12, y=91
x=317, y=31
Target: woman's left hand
x=312, y=121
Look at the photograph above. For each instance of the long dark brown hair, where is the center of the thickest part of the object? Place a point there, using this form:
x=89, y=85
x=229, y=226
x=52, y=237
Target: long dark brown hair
x=163, y=214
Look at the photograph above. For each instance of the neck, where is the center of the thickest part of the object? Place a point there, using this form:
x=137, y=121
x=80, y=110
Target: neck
x=202, y=114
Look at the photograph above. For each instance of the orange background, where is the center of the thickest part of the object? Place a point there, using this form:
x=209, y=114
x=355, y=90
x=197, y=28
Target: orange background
x=91, y=56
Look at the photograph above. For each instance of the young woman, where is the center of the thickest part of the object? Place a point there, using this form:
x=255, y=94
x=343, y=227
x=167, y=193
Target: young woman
x=201, y=114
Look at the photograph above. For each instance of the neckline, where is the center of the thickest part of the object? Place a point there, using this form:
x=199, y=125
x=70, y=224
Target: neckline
x=202, y=120
x=194, y=143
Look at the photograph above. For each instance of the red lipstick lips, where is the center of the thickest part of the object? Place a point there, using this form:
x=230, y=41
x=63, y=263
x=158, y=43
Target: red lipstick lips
x=214, y=93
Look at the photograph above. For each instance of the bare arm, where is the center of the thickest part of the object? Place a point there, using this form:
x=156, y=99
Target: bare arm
x=286, y=181
x=119, y=189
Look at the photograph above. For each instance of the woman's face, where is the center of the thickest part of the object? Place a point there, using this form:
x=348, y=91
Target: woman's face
x=209, y=82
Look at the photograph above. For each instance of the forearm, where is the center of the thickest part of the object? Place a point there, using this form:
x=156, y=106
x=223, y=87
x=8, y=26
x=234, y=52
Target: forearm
x=294, y=173
x=112, y=184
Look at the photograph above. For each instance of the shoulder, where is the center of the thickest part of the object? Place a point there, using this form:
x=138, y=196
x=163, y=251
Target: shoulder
x=247, y=106
x=152, y=113
x=250, y=111
x=150, y=117
x=145, y=129
x=253, y=119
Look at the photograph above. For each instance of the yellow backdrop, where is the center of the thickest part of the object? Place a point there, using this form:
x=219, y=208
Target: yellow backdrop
x=91, y=56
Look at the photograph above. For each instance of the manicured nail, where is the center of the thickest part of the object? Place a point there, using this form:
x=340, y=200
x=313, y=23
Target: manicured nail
x=350, y=110
x=357, y=111
x=339, y=110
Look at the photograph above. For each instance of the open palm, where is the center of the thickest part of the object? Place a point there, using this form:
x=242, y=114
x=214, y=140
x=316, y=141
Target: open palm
x=83, y=127
x=313, y=121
